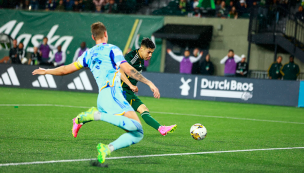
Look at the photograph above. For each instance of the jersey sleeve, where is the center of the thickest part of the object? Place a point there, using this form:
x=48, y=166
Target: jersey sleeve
x=82, y=61
x=128, y=57
x=117, y=56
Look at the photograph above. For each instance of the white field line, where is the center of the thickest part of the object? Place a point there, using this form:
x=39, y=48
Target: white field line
x=145, y=156
x=249, y=119
x=195, y=115
x=44, y=105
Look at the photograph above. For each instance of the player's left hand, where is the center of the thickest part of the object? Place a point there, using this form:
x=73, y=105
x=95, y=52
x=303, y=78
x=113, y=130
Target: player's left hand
x=40, y=71
x=202, y=53
x=134, y=88
x=155, y=90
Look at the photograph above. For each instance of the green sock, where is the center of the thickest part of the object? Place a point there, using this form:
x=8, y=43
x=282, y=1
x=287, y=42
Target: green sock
x=150, y=120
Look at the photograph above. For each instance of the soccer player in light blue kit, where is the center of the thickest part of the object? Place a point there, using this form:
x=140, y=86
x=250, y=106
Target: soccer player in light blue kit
x=104, y=61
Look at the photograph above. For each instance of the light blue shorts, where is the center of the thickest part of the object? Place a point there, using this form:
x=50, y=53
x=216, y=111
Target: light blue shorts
x=111, y=100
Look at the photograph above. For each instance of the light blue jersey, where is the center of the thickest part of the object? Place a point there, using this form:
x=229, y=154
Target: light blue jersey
x=104, y=61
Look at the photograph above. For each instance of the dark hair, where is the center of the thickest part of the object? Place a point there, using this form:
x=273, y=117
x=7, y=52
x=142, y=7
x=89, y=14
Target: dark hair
x=45, y=38
x=231, y=50
x=98, y=30
x=147, y=43
x=291, y=56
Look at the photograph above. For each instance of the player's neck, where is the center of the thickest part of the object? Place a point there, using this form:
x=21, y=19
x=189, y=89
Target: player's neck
x=139, y=54
x=100, y=41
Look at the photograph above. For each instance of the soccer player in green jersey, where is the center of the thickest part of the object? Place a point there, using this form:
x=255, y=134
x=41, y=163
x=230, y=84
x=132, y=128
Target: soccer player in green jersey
x=136, y=59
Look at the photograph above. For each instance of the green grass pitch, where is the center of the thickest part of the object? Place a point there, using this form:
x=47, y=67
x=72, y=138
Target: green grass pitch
x=43, y=133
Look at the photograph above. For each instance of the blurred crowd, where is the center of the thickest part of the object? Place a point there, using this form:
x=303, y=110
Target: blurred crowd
x=235, y=66
x=219, y=8
x=98, y=6
x=224, y=8
x=43, y=54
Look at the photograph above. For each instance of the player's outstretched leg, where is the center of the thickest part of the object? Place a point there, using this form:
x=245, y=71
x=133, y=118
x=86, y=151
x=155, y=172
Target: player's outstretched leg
x=123, y=141
x=145, y=114
x=81, y=119
x=133, y=136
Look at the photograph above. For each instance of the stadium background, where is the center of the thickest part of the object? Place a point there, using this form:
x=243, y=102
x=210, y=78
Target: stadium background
x=231, y=126
x=227, y=34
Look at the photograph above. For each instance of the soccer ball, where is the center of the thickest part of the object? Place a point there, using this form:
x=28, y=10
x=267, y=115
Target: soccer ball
x=198, y=131
x=24, y=60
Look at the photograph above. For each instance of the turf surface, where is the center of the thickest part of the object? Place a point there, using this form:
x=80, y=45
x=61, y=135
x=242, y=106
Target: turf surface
x=43, y=133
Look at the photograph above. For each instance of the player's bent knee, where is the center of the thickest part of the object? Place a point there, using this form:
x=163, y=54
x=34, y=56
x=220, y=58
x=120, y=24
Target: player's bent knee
x=138, y=136
x=132, y=115
x=142, y=108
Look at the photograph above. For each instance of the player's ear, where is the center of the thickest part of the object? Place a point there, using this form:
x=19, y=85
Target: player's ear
x=105, y=34
x=93, y=38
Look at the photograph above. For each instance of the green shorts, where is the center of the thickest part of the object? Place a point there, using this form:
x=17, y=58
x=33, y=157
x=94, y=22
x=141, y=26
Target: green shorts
x=130, y=96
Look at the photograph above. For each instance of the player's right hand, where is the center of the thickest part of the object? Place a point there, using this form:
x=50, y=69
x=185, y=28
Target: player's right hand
x=134, y=88
x=40, y=71
x=168, y=50
x=155, y=91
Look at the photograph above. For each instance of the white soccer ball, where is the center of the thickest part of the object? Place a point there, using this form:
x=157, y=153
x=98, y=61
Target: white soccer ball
x=24, y=60
x=198, y=131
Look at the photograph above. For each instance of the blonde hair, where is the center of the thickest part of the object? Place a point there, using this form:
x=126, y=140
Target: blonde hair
x=98, y=29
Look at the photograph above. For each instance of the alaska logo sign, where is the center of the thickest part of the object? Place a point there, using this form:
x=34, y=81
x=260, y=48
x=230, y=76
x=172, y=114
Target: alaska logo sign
x=13, y=28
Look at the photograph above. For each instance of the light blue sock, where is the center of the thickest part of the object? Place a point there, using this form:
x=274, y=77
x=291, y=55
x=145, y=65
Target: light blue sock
x=134, y=135
x=127, y=139
x=120, y=121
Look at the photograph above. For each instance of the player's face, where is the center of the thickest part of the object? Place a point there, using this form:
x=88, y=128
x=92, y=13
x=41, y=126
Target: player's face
x=147, y=53
x=20, y=46
x=35, y=49
x=230, y=54
x=15, y=43
x=45, y=41
x=187, y=53
x=207, y=58
x=279, y=60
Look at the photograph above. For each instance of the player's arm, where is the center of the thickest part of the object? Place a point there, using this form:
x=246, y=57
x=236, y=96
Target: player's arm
x=237, y=58
x=237, y=69
x=269, y=71
x=177, y=58
x=133, y=73
x=125, y=79
x=195, y=59
x=223, y=61
x=298, y=70
x=60, y=71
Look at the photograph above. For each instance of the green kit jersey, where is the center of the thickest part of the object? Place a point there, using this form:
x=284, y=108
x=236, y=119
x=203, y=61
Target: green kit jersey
x=135, y=61
x=274, y=70
x=290, y=71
